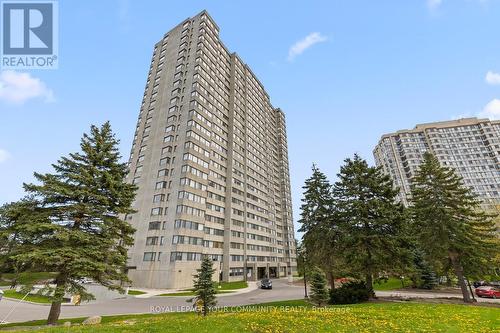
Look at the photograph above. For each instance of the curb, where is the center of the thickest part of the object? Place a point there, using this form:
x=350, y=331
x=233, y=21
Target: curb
x=251, y=287
x=34, y=303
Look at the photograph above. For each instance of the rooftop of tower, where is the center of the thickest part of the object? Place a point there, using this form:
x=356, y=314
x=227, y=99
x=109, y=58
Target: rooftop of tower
x=205, y=12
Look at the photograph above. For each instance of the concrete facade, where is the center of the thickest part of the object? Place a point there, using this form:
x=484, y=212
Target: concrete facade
x=471, y=146
x=209, y=157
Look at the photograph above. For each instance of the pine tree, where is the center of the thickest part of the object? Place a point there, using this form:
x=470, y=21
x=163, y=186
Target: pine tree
x=204, y=287
x=72, y=226
x=319, y=293
x=318, y=225
x=370, y=219
x=449, y=223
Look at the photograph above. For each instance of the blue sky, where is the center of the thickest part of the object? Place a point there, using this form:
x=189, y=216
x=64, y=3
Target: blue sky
x=344, y=72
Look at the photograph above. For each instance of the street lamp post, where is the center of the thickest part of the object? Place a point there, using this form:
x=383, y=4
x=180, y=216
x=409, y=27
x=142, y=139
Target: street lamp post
x=305, y=275
x=220, y=273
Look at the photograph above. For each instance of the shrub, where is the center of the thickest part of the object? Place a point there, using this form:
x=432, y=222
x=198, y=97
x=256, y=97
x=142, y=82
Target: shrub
x=350, y=293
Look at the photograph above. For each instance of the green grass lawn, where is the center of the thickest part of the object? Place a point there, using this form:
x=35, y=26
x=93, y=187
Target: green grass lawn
x=191, y=293
x=11, y=293
x=135, y=292
x=225, y=287
x=26, y=277
x=298, y=316
x=391, y=284
x=233, y=285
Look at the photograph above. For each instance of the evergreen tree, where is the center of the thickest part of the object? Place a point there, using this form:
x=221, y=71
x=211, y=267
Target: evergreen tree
x=449, y=223
x=318, y=224
x=204, y=287
x=319, y=293
x=19, y=227
x=72, y=226
x=371, y=221
x=426, y=275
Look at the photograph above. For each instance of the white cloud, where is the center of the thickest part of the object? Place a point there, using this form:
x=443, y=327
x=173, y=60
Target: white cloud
x=4, y=155
x=491, y=110
x=492, y=78
x=18, y=87
x=300, y=46
x=434, y=4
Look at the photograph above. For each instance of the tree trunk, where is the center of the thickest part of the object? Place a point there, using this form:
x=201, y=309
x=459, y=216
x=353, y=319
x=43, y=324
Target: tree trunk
x=369, y=284
x=470, y=289
x=369, y=272
x=331, y=279
x=457, y=267
x=55, y=311
x=55, y=308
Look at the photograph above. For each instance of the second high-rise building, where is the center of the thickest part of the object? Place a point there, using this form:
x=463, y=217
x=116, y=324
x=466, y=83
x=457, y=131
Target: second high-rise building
x=471, y=146
x=210, y=160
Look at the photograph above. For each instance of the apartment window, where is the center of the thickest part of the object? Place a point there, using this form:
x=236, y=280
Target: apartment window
x=216, y=208
x=149, y=256
x=214, y=257
x=152, y=240
x=177, y=239
x=156, y=211
x=195, y=159
x=160, y=185
x=165, y=160
x=184, y=224
x=182, y=209
x=191, y=196
x=162, y=172
x=194, y=184
x=238, y=271
x=214, y=219
x=155, y=225
x=159, y=198
x=185, y=256
x=212, y=231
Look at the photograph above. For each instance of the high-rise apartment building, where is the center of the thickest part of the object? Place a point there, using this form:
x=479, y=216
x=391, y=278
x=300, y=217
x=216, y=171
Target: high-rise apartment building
x=210, y=160
x=471, y=146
